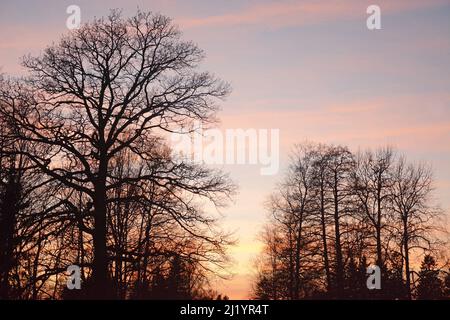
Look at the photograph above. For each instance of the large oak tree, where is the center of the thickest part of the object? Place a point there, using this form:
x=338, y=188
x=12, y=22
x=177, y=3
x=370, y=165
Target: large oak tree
x=114, y=85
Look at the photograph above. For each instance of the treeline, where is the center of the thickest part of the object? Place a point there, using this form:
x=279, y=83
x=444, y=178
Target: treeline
x=87, y=179
x=337, y=212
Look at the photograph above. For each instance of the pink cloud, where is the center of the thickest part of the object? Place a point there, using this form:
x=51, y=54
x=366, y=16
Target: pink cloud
x=401, y=120
x=289, y=13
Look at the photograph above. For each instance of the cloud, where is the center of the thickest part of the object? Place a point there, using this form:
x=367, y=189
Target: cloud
x=305, y=12
x=404, y=120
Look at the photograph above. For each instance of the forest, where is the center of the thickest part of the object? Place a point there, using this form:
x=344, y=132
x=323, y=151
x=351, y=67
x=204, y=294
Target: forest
x=336, y=213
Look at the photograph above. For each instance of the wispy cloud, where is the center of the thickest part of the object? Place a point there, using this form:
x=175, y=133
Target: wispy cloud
x=403, y=120
x=304, y=12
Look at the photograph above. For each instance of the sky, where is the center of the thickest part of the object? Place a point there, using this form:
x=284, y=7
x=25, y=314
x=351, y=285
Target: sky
x=311, y=69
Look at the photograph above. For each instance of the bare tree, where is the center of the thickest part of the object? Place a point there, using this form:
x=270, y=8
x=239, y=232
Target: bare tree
x=334, y=212
x=112, y=85
x=411, y=191
x=321, y=175
x=372, y=180
x=340, y=165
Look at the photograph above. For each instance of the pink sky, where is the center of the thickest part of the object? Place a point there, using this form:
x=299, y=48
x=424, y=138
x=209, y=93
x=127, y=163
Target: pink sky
x=309, y=68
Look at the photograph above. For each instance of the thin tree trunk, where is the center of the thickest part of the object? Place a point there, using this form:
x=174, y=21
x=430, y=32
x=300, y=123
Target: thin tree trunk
x=378, y=226
x=297, y=261
x=291, y=267
x=406, y=248
x=324, y=239
x=338, y=247
x=379, y=247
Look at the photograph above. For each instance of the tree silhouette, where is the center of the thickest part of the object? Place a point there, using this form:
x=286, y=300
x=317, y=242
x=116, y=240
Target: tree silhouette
x=336, y=213
x=410, y=199
x=430, y=285
x=447, y=285
x=115, y=85
x=372, y=181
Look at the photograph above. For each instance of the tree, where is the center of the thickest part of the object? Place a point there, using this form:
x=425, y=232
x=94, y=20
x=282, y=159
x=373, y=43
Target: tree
x=115, y=84
x=334, y=212
x=309, y=207
x=10, y=206
x=22, y=200
x=321, y=174
x=412, y=186
x=340, y=165
x=12, y=202
x=372, y=180
x=355, y=279
x=275, y=268
x=297, y=201
x=447, y=285
x=430, y=285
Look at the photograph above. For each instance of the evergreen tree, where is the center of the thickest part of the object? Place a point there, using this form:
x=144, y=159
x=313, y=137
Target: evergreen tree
x=178, y=280
x=430, y=286
x=447, y=285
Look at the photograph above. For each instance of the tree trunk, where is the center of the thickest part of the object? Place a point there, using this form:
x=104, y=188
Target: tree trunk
x=378, y=235
x=406, y=248
x=8, y=213
x=380, y=262
x=297, y=261
x=291, y=266
x=338, y=248
x=100, y=277
x=378, y=226
x=379, y=248
x=324, y=239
